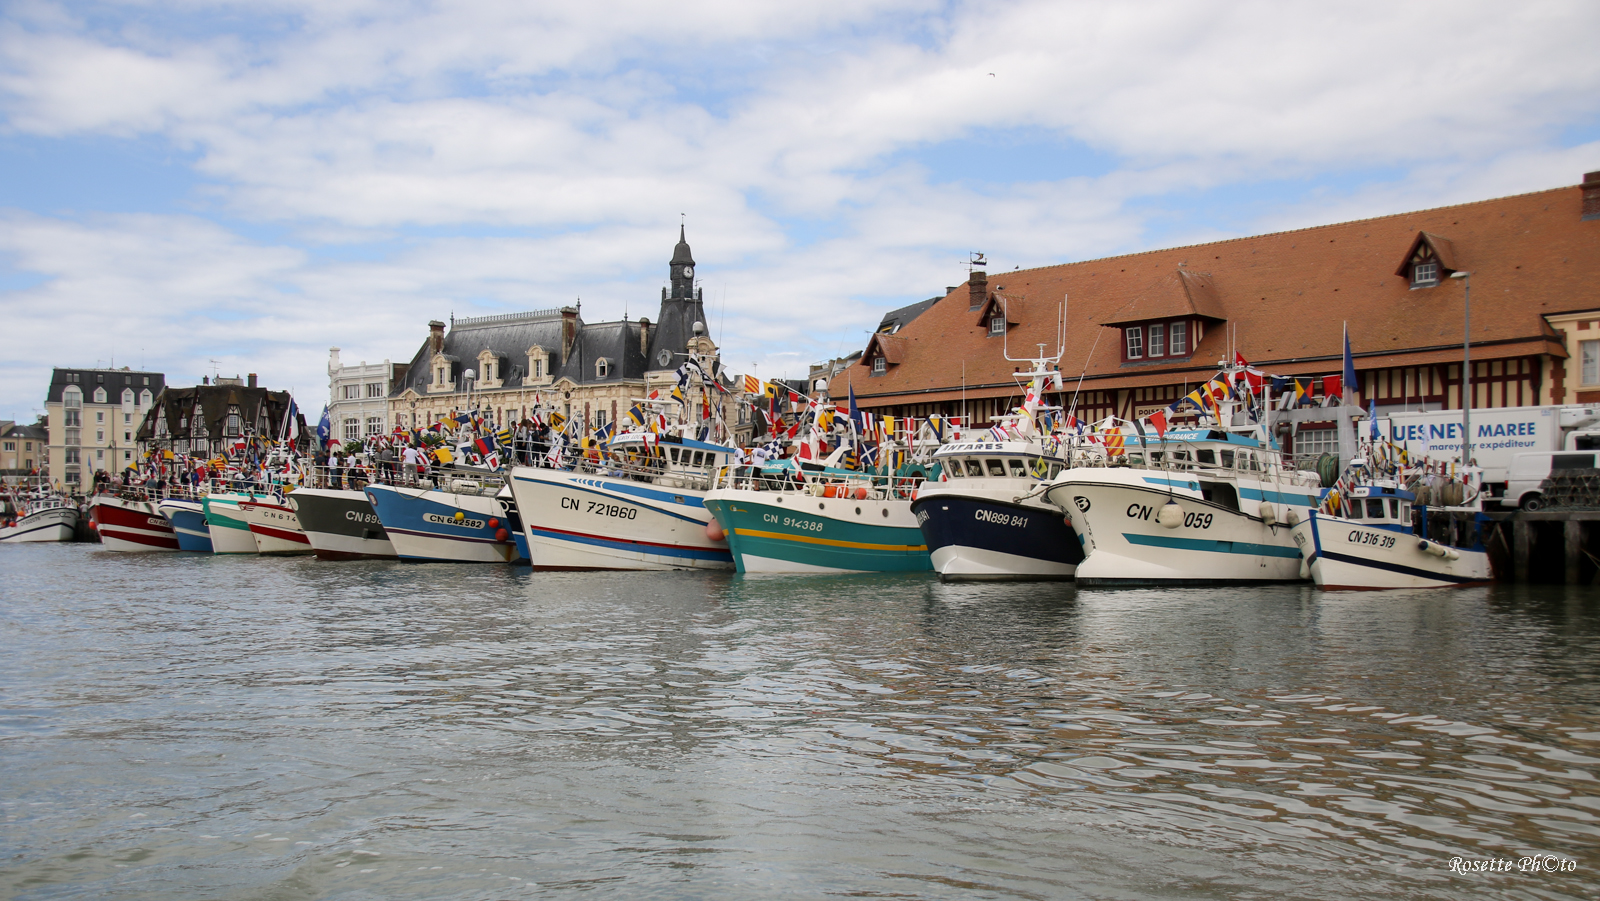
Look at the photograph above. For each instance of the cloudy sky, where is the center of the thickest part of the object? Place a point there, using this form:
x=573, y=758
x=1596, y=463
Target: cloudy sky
x=250, y=183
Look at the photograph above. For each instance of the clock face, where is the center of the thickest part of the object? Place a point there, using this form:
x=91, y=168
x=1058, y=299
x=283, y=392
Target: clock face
x=664, y=358
x=688, y=272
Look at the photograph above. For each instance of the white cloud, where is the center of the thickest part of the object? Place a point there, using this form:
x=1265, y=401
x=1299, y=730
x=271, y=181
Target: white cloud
x=496, y=155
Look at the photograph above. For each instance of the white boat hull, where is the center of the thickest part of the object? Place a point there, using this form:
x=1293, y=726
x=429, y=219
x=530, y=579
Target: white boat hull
x=1115, y=512
x=1346, y=554
x=966, y=563
x=230, y=534
x=275, y=528
x=579, y=521
x=47, y=526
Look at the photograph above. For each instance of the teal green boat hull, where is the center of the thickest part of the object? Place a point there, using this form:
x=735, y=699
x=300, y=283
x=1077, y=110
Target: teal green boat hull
x=788, y=532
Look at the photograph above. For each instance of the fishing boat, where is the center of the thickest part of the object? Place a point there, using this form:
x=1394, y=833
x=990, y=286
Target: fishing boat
x=129, y=522
x=48, y=518
x=1372, y=532
x=636, y=503
x=188, y=518
x=341, y=524
x=1195, y=506
x=842, y=513
x=829, y=522
x=987, y=519
x=274, y=527
x=229, y=530
x=459, y=522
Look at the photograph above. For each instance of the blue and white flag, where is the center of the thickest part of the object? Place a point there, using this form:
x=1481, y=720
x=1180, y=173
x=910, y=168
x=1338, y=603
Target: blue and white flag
x=324, y=428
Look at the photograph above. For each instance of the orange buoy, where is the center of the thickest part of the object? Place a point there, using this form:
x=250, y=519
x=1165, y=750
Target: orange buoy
x=715, y=532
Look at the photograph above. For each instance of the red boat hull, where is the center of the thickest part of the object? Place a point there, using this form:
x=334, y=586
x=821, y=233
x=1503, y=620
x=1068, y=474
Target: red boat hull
x=131, y=526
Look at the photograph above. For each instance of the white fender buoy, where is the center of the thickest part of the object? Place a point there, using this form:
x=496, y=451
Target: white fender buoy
x=1170, y=515
x=1269, y=514
x=1292, y=517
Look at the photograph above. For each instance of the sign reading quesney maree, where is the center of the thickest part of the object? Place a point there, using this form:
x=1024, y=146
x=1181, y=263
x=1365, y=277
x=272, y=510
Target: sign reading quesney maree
x=1498, y=434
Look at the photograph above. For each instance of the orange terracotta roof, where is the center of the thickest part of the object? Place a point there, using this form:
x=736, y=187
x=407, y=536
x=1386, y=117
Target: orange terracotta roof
x=1282, y=297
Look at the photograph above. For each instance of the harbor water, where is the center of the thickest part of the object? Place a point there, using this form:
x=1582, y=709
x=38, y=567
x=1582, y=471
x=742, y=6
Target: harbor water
x=182, y=726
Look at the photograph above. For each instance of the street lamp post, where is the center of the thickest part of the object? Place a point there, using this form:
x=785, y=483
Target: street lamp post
x=1466, y=367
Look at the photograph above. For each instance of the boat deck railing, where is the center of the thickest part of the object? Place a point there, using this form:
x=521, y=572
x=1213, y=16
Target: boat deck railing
x=860, y=486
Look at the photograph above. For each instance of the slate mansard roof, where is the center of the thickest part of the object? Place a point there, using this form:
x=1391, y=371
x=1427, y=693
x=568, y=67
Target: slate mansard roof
x=113, y=380
x=625, y=345
x=510, y=336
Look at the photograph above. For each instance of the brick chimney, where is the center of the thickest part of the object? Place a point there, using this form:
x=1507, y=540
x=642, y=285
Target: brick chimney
x=1591, y=195
x=436, y=337
x=978, y=289
x=569, y=331
x=252, y=380
x=644, y=335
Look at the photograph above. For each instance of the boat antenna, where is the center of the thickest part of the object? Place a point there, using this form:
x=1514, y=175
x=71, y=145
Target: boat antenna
x=1073, y=410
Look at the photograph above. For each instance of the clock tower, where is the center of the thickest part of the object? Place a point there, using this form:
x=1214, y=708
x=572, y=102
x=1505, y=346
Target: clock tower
x=681, y=309
x=682, y=268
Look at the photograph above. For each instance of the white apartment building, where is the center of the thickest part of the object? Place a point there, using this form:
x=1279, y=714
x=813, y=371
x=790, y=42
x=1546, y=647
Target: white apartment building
x=93, y=415
x=358, y=396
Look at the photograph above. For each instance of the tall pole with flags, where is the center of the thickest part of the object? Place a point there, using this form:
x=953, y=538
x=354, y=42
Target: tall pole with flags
x=1349, y=375
x=1466, y=367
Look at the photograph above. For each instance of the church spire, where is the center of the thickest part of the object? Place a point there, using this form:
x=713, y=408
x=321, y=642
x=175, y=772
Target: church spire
x=680, y=254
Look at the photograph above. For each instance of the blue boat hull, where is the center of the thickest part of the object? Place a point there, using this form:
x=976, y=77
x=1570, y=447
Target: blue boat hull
x=983, y=538
x=190, y=526
x=423, y=525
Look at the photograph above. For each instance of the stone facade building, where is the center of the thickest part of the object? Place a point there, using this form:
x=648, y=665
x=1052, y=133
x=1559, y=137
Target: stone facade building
x=93, y=415
x=555, y=361
x=358, y=396
x=22, y=448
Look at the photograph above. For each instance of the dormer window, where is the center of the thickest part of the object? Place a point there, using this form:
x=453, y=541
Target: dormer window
x=602, y=368
x=1158, y=342
x=1425, y=274
x=997, y=324
x=879, y=366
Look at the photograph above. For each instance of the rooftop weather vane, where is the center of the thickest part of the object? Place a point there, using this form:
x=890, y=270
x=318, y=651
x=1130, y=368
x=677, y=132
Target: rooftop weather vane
x=976, y=260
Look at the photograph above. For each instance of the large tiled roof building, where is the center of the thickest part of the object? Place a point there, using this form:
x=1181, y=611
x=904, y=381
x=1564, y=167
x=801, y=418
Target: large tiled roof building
x=1145, y=328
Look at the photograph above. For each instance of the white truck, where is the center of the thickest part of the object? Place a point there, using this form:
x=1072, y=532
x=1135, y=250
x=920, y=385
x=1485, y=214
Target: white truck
x=1498, y=434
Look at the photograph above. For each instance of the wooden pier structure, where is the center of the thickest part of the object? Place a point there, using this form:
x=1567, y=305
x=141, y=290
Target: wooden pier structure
x=1548, y=546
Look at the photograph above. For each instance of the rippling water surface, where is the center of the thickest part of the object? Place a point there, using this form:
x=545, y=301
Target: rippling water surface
x=177, y=726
